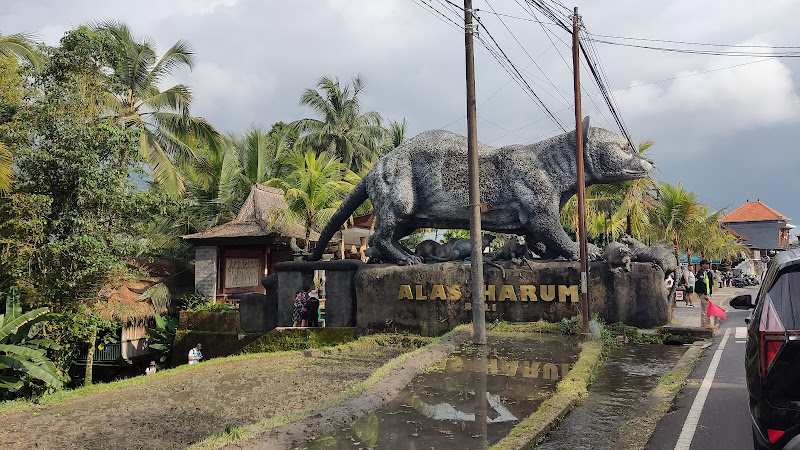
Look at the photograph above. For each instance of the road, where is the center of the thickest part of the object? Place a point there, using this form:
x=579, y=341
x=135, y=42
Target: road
x=722, y=421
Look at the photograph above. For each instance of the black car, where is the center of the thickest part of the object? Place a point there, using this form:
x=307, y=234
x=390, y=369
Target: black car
x=772, y=355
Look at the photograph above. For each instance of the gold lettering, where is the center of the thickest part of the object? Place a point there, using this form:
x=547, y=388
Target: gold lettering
x=456, y=364
x=507, y=293
x=418, y=291
x=491, y=366
x=437, y=292
x=527, y=292
x=530, y=369
x=405, y=292
x=510, y=367
x=549, y=371
x=571, y=291
x=454, y=293
x=468, y=306
x=548, y=292
x=488, y=293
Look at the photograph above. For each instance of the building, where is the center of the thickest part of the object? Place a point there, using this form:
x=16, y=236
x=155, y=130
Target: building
x=232, y=258
x=762, y=229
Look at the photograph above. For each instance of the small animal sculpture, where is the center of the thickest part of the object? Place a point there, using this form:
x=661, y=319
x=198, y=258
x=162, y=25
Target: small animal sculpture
x=423, y=183
x=618, y=256
x=513, y=249
x=660, y=257
x=462, y=248
x=428, y=249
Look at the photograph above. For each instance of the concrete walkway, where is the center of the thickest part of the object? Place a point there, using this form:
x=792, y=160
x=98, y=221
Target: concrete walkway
x=688, y=318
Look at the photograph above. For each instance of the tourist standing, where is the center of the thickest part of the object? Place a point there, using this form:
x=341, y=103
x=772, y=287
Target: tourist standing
x=312, y=309
x=689, y=279
x=704, y=287
x=151, y=369
x=299, y=309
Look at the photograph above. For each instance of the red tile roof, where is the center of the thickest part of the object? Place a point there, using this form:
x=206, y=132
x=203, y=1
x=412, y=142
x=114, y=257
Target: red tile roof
x=753, y=211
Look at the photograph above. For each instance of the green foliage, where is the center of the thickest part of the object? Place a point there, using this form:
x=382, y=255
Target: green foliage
x=413, y=240
x=300, y=339
x=449, y=235
x=314, y=189
x=192, y=300
x=342, y=130
x=163, y=335
x=23, y=356
x=212, y=306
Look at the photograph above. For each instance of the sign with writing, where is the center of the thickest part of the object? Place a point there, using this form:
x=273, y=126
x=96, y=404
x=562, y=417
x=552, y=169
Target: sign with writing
x=243, y=272
x=493, y=293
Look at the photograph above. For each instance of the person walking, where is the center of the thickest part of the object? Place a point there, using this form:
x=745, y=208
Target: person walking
x=704, y=287
x=312, y=306
x=689, y=279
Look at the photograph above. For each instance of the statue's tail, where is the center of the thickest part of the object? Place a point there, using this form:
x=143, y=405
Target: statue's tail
x=354, y=199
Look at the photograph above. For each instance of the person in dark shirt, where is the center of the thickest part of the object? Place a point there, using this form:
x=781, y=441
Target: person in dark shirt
x=704, y=287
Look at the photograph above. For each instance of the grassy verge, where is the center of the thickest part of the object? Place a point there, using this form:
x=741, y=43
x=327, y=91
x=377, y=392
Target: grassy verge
x=233, y=434
x=637, y=431
x=66, y=395
x=569, y=393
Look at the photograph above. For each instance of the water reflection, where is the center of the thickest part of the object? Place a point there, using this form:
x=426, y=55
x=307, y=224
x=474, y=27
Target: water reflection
x=469, y=400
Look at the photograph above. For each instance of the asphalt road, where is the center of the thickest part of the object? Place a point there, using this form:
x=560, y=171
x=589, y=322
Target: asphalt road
x=724, y=420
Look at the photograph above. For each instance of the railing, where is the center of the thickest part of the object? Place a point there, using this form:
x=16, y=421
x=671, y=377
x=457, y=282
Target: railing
x=110, y=352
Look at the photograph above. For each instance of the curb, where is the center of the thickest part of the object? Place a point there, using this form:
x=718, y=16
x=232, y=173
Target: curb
x=637, y=431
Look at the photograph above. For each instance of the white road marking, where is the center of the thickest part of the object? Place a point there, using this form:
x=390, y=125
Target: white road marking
x=690, y=425
x=741, y=333
x=741, y=342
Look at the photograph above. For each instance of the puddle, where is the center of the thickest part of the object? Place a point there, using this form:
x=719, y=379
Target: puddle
x=621, y=383
x=454, y=406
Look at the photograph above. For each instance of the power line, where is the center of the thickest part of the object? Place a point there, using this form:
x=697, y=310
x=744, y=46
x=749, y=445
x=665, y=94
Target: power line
x=694, y=43
x=794, y=54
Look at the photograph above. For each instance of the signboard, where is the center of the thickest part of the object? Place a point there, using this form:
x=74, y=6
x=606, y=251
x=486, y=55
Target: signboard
x=243, y=272
x=679, y=296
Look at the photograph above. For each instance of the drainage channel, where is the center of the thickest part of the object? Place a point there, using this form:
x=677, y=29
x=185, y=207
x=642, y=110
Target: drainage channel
x=470, y=400
x=626, y=378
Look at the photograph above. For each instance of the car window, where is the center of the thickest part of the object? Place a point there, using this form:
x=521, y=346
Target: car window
x=785, y=296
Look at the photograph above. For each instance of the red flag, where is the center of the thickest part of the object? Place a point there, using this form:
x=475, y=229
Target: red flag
x=714, y=310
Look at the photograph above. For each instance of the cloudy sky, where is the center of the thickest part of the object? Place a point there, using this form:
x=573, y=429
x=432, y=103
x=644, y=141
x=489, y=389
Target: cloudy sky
x=724, y=126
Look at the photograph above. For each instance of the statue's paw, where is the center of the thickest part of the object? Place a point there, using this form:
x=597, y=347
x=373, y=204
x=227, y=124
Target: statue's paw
x=593, y=256
x=410, y=261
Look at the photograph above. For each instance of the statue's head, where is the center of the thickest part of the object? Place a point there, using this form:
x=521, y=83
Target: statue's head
x=609, y=158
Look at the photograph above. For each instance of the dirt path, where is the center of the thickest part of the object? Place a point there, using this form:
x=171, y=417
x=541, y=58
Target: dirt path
x=176, y=410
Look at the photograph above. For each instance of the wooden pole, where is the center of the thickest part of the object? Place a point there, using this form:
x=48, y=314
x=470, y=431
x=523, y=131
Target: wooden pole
x=581, y=182
x=476, y=263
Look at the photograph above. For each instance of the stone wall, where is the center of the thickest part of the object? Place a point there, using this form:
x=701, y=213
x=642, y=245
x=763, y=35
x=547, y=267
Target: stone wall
x=434, y=298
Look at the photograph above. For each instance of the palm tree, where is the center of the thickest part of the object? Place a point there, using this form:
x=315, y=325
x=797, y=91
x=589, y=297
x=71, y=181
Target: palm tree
x=163, y=116
x=675, y=215
x=22, y=47
x=395, y=136
x=15, y=47
x=315, y=188
x=342, y=131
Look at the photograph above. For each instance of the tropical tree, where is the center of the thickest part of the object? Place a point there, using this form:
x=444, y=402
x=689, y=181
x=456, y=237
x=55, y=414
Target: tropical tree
x=395, y=136
x=676, y=214
x=315, y=188
x=22, y=47
x=162, y=117
x=342, y=130
x=21, y=355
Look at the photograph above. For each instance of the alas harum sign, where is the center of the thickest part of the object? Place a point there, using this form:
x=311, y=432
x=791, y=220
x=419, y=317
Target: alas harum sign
x=493, y=293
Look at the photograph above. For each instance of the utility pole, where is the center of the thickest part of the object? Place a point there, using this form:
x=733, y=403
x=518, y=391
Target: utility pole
x=581, y=182
x=476, y=260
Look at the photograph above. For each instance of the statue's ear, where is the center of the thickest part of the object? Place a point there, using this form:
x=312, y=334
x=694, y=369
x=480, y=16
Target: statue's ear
x=585, y=127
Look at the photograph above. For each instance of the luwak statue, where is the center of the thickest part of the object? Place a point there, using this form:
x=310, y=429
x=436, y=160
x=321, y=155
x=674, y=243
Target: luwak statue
x=453, y=250
x=423, y=183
